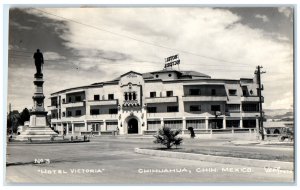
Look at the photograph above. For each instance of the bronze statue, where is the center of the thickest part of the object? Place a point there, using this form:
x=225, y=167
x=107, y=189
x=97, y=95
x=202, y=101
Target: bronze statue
x=39, y=61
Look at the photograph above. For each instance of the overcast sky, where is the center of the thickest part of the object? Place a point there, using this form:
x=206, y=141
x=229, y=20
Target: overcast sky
x=86, y=45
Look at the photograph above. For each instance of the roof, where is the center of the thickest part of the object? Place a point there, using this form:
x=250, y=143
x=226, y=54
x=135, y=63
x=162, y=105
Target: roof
x=182, y=75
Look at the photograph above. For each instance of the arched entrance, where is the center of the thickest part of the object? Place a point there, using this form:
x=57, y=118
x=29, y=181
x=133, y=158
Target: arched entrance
x=133, y=126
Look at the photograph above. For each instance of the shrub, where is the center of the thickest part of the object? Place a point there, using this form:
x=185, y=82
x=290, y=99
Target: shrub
x=167, y=137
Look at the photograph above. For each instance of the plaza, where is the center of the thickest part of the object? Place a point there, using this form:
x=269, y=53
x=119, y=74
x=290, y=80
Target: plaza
x=111, y=160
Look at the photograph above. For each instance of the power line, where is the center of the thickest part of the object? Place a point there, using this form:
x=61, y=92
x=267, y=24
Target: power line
x=202, y=64
x=138, y=40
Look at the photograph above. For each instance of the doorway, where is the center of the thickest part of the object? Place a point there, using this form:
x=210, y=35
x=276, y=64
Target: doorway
x=133, y=127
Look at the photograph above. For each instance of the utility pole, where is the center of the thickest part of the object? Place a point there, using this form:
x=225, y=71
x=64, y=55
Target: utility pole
x=258, y=73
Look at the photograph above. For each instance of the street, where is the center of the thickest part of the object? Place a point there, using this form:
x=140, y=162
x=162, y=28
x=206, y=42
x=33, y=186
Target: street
x=111, y=160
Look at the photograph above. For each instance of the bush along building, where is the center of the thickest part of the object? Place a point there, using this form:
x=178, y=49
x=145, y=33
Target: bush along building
x=141, y=103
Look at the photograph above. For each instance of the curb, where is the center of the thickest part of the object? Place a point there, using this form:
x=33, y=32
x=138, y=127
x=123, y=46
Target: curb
x=219, y=159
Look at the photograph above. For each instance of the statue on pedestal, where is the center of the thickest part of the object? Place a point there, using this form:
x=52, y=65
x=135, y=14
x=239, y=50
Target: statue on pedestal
x=39, y=61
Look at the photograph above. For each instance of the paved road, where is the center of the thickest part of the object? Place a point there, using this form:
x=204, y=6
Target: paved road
x=113, y=161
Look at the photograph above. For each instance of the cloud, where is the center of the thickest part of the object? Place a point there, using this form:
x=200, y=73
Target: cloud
x=52, y=56
x=264, y=18
x=204, y=32
x=19, y=26
x=287, y=11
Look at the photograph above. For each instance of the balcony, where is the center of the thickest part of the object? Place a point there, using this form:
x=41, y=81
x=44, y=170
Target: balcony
x=164, y=115
x=157, y=100
x=73, y=104
x=102, y=102
x=52, y=107
x=73, y=118
x=102, y=117
x=204, y=98
x=250, y=99
x=244, y=114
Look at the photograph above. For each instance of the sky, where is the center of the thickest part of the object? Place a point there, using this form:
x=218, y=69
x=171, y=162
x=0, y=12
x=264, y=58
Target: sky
x=82, y=46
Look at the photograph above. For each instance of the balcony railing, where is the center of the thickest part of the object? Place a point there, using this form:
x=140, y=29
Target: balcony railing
x=203, y=98
x=73, y=104
x=102, y=117
x=103, y=102
x=52, y=107
x=157, y=100
x=250, y=99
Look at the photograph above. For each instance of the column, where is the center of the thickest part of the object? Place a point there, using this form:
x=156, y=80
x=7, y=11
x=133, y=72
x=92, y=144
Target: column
x=86, y=126
x=73, y=128
x=67, y=129
x=224, y=122
x=183, y=124
x=257, y=125
x=241, y=122
x=206, y=123
x=105, y=127
x=161, y=122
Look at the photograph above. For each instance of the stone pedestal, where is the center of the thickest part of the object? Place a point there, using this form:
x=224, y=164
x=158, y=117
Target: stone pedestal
x=38, y=129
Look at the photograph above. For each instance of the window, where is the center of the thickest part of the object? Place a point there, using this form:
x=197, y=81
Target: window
x=249, y=123
x=64, y=114
x=126, y=96
x=97, y=97
x=173, y=124
x=111, y=96
x=172, y=109
x=78, y=112
x=250, y=107
x=153, y=125
x=53, y=115
x=195, y=92
x=169, y=93
x=63, y=101
x=232, y=92
x=245, y=91
x=196, y=124
x=111, y=126
x=78, y=98
x=213, y=92
x=95, y=127
x=215, y=108
x=151, y=109
x=134, y=96
x=69, y=113
x=195, y=108
x=232, y=123
x=70, y=128
x=233, y=107
x=95, y=111
x=170, y=75
x=113, y=111
x=152, y=94
x=157, y=76
x=70, y=99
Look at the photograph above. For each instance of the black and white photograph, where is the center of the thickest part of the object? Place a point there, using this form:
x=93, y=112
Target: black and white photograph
x=148, y=95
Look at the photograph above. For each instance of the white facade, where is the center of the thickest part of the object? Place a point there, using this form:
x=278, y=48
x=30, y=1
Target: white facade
x=138, y=103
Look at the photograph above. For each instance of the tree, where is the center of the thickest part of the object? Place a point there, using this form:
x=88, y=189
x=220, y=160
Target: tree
x=25, y=116
x=13, y=121
x=168, y=137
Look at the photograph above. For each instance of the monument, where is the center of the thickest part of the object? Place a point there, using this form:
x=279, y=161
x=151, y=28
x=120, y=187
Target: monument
x=37, y=128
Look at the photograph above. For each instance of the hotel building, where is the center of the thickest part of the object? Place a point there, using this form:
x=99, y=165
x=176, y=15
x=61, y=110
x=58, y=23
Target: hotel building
x=141, y=103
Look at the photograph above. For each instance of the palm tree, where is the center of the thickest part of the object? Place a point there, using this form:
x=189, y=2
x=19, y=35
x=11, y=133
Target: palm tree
x=168, y=137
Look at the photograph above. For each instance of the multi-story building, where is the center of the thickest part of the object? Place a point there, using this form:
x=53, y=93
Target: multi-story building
x=136, y=103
